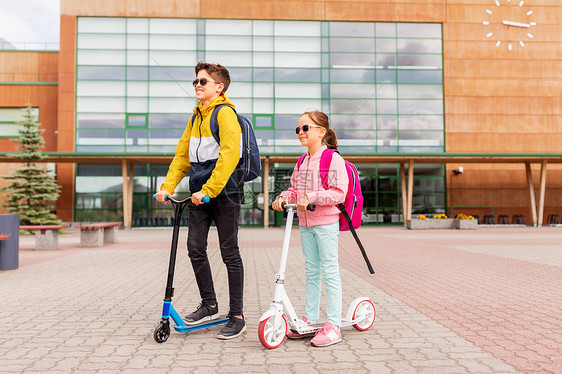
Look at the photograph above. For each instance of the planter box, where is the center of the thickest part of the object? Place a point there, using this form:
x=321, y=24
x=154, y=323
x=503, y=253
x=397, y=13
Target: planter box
x=430, y=223
x=466, y=224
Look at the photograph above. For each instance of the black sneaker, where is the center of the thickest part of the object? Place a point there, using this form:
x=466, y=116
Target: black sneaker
x=234, y=328
x=202, y=314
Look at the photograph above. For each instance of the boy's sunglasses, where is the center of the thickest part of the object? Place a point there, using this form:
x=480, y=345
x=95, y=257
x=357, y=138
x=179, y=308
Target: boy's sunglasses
x=305, y=128
x=203, y=82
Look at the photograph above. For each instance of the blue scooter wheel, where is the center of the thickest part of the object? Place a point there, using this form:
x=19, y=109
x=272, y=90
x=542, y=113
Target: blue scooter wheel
x=162, y=332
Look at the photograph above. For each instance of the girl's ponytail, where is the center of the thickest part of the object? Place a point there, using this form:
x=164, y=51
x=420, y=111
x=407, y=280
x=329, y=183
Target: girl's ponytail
x=331, y=139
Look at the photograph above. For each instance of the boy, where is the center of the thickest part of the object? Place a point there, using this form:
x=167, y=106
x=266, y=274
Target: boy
x=213, y=174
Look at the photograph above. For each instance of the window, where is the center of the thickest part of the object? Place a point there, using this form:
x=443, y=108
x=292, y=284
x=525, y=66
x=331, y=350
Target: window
x=137, y=120
x=9, y=118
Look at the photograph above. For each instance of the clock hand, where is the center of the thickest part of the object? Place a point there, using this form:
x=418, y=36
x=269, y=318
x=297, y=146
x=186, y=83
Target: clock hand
x=518, y=24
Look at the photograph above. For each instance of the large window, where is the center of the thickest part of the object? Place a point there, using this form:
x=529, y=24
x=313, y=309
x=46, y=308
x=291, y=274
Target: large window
x=380, y=83
x=380, y=185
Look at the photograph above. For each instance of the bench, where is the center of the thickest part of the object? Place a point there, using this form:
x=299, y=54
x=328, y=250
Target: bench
x=489, y=219
x=503, y=219
x=98, y=234
x=46, y=236
x=554, y=219
x=518, y=219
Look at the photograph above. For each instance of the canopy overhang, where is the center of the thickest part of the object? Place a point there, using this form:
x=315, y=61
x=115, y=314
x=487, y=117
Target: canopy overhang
x=127, y=160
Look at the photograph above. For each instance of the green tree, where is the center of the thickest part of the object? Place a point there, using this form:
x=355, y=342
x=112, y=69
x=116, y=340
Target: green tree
x=32, y=191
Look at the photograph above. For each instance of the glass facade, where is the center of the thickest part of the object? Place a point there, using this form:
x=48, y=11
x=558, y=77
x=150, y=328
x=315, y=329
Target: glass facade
x=380, y=83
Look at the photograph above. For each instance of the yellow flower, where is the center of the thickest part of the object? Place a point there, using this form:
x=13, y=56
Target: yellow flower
x=464, y=216
x=440, y=216
x=421, y=216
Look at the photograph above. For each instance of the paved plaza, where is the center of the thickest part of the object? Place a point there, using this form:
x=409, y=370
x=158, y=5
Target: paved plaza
x=447, y=301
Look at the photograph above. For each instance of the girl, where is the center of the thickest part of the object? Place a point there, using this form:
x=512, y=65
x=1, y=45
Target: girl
x=319, y=229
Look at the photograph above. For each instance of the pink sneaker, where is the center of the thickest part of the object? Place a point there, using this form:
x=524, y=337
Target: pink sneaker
x=326, y=336
x=294, y=335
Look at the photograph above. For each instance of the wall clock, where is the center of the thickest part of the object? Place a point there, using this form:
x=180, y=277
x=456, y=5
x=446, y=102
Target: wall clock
x=509, y=21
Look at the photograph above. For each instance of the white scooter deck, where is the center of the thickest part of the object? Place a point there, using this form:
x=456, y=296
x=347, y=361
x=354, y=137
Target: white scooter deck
x=313, y=327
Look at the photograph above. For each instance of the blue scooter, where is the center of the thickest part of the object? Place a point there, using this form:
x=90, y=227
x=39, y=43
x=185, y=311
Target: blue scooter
x=162, y=331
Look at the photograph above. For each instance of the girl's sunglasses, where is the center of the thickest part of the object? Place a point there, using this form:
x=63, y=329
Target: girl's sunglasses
x=203, y=82
x=305, y=128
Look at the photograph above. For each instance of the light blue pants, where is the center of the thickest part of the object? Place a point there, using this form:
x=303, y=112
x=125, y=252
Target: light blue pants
x=320, y=250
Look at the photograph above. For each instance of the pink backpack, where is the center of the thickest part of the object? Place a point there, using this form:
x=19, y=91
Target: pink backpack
x=352, y=208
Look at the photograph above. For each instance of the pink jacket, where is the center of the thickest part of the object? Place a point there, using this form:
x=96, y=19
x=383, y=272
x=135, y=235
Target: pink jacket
x=306, y=180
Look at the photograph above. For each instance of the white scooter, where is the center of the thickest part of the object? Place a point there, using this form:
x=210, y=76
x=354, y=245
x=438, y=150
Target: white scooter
x=273, y=323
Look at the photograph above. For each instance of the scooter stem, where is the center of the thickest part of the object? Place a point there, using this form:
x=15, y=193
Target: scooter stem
x=286, y=241
x=178, y=208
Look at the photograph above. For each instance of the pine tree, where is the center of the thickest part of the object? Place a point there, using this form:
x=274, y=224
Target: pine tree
x=32, y=191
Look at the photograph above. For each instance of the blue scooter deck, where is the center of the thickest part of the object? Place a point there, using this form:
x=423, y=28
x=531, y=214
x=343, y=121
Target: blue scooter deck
x=186, y=328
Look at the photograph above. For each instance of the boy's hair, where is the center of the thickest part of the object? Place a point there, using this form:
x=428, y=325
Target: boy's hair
x=321, y=119
x=216, y=71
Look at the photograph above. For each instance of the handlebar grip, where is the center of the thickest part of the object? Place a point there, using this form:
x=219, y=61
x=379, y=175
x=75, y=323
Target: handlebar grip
x=206, y=199
x=165, y=197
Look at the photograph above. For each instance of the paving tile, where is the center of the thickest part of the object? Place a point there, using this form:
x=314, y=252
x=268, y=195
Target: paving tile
x=451, y=302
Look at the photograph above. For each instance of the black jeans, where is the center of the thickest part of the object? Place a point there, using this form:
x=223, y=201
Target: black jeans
x=224, y=211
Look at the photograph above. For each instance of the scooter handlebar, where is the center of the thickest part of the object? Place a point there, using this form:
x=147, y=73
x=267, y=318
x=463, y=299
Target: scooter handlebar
x=310, y=207
x=205, y=199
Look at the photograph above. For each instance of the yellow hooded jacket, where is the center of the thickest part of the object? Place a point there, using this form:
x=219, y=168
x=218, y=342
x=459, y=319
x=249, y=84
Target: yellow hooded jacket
x=212, y=164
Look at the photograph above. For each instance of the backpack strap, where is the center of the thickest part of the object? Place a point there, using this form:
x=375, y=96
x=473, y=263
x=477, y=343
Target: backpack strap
x=325, y=161
x=343, y=211
x=193, y=117
x=215, y=122
x=300, y=161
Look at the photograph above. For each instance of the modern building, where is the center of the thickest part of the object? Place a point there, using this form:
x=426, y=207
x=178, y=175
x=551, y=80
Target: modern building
x=447, y=86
